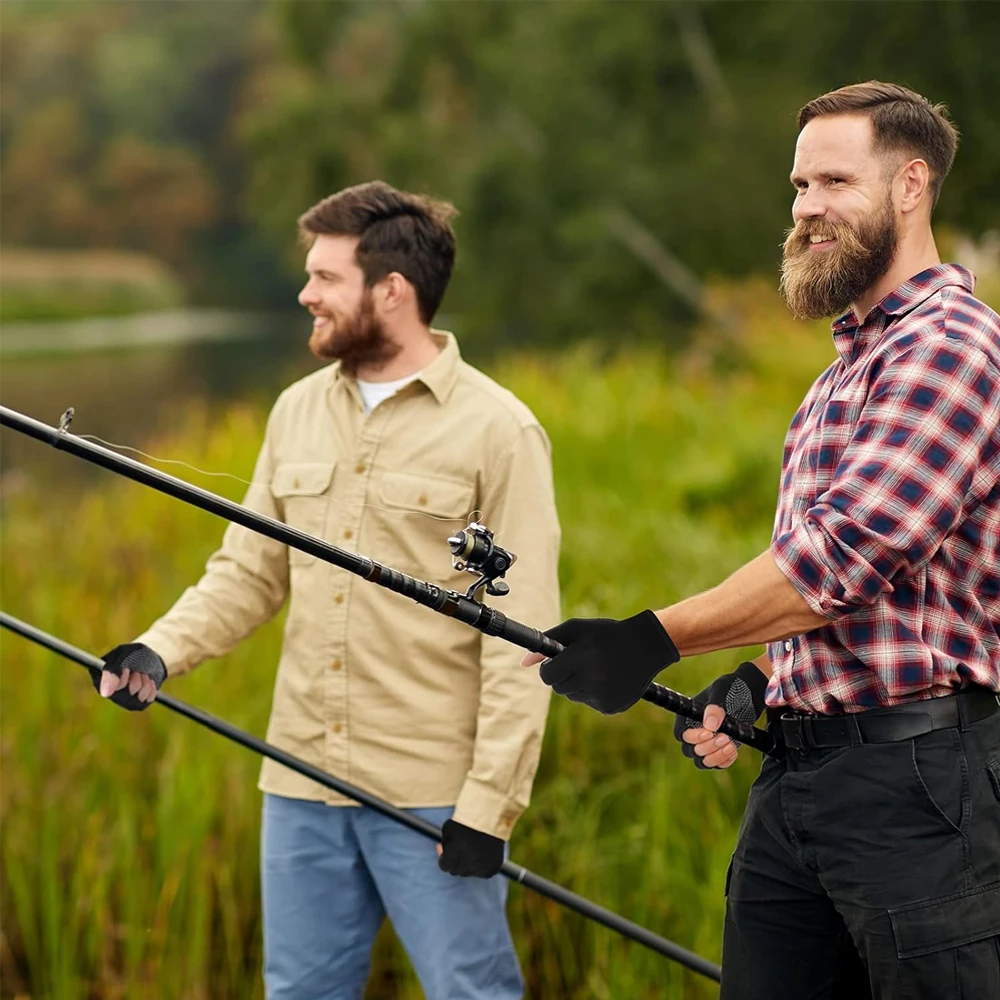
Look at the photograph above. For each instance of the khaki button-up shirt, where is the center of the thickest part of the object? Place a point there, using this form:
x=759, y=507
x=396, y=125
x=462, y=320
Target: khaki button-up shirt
x=412, y=706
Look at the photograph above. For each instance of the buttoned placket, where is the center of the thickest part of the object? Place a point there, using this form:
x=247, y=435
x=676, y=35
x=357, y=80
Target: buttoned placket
x=347, y=499
x=350, y=495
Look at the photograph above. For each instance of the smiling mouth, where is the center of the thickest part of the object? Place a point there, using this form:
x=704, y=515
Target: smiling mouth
x=820, y=241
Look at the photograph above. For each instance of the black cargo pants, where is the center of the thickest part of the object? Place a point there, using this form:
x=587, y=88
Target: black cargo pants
x=870, y=871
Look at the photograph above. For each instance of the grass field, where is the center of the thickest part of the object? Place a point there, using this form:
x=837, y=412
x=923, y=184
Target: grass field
x=129, y=843
x=38, y=284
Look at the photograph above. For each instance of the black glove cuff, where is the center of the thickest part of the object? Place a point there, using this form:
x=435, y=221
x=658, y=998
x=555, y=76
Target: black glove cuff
x=754, y=679
x=653, y=636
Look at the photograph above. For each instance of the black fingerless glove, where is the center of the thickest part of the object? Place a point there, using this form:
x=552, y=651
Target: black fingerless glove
x=607, y=663
x=469, y=852
x=740, y=693
x=138, y=659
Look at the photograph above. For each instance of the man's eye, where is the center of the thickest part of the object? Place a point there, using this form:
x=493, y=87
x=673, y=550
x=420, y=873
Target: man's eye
x=836, y=180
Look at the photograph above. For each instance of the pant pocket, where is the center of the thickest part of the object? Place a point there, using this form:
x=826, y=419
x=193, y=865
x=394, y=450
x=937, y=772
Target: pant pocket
x=949, y=948
x=943, y=775
x=993, y=770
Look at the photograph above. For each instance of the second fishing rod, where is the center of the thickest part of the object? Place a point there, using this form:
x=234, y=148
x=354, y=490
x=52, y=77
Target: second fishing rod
x=516, y=873
x=473, y=549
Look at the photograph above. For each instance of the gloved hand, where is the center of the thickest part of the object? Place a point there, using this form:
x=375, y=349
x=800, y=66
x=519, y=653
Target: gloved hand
x=466, y=852
x=741, y=695
x=607, y=663
x=140, y=674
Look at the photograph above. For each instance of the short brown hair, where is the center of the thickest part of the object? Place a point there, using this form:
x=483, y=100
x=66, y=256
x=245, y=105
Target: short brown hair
x=902, y=121
x=402, y=232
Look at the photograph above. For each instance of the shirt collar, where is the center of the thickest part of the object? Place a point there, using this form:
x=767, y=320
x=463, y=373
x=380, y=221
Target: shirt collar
x=922, y=286
x=850, y=336
x=439, y=376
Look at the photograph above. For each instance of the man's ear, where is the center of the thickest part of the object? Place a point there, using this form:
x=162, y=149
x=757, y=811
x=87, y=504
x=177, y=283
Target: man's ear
x=394, y=291
x=913, y=184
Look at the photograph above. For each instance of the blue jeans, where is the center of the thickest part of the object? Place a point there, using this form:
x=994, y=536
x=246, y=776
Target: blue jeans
x=330, y=875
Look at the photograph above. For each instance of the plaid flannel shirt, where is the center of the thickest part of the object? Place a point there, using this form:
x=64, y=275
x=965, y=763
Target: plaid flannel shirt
x=888, y=519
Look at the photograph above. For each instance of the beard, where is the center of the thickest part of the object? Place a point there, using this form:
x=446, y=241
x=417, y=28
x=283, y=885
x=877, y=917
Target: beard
x=816, y=284
x=355, y=341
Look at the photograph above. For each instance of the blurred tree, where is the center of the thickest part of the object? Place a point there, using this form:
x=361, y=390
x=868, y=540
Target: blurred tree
x=602, y=154
x=606, y=157
x=118, y=127
x=165, y=191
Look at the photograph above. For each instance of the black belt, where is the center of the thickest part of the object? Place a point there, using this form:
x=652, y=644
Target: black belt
x=888, y=725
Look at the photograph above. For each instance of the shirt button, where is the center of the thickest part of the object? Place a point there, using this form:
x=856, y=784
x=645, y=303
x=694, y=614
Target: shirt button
x=336, y=664
x=361, y=467
x=296, y=484
x=348, y=533
x=339, y=599
x=788, y=645
x=422, y=500
x=337, y=727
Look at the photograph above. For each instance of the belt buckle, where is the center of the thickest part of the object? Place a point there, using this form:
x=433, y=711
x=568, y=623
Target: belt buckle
x=801, y=730
x=809, y=737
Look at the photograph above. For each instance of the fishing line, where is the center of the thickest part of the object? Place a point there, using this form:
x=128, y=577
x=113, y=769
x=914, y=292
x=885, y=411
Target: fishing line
x=473, y=551
x=472, y=516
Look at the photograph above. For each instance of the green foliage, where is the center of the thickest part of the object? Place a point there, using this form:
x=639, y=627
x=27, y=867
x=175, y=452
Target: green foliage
x=547, y=124
x=129, y=843
x=584, y=142
x=118, y=131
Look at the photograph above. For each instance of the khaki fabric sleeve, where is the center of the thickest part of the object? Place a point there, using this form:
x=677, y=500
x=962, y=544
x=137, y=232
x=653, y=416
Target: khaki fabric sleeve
x=518, y=503
x=245, y=583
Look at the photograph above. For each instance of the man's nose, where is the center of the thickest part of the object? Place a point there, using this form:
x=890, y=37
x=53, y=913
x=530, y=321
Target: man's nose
x=809, y=205
x=308, y=297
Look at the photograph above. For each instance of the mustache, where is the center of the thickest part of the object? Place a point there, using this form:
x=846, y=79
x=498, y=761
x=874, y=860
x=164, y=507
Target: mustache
x=826, y=283
x=796, y=240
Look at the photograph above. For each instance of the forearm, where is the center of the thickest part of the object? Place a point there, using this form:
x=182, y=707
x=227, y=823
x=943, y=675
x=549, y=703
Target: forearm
x=244, y=585
x=756, y=604
x=510, y=726
x=518, y=501
x=211, y=618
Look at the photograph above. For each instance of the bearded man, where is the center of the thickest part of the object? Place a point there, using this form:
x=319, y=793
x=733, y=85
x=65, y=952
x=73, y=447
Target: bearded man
x=868, y=862
x=389, y=449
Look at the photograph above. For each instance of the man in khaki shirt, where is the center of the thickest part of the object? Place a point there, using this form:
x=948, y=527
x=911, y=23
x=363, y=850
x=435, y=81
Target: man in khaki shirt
x=388, y=451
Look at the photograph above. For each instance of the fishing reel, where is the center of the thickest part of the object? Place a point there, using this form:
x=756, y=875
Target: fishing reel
x=474, y=551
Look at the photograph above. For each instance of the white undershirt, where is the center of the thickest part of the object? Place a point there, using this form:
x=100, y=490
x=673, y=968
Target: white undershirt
x=373, y=393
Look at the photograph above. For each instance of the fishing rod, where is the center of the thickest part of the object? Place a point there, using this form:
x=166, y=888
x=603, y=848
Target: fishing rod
x=473, y=549
x=516, y=873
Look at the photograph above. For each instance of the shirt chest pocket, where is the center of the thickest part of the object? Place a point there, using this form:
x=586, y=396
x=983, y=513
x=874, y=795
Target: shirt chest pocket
x=302, y=492
x=418, y=514
x=823, y=445
x=838, y=420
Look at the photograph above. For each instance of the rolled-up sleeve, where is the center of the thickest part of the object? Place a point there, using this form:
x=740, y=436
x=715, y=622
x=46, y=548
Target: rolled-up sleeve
x=518, y=501
x=927, y=430
x=245, y=583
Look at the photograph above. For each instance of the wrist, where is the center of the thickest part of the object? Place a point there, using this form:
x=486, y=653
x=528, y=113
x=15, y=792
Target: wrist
x=673, y=626
x=754, y=678
x=655, y=635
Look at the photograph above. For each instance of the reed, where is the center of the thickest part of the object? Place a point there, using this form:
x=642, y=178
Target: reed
x=128, y=845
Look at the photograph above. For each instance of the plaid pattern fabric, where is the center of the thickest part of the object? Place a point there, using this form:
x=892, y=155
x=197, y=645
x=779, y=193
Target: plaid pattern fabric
x=888, y=519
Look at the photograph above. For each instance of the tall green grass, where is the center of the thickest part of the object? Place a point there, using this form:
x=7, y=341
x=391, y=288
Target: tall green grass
x=129, y=842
